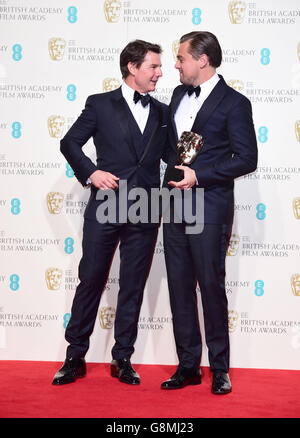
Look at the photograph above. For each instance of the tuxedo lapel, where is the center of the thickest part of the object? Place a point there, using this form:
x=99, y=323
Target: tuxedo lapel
x=122, y=112
x=156, y=111
x=173, y=107
x=209, y=105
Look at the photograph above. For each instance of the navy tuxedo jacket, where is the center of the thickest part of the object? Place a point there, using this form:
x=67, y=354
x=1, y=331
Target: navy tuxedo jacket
x=229, y=151
x=108, y=119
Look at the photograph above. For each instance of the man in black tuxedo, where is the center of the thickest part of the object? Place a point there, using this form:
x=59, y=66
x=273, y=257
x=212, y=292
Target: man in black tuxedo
x=129, y=130
x=204, y=104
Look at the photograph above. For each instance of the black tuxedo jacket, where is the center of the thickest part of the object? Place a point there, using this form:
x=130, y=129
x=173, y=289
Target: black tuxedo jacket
x=230, y=147
x=108, y=119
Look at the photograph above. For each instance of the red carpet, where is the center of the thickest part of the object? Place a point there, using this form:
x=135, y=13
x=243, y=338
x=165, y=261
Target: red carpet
x=26, y=392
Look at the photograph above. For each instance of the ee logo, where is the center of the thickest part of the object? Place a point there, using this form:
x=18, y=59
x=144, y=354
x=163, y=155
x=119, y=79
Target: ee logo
x=259, y=288
x=265, y=56
x=17, y=52
x=69, y=171
x=263, y=134
x=14, y=282
x=16, y=129
x=66, y=319
x=260, y=211
x=72, y=14
x=69, y=245
x=15, y=206
x=71, y=92
x=196, y=16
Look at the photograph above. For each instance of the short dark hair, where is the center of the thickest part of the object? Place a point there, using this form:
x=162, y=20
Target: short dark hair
x=135, y=52
x=204, y=43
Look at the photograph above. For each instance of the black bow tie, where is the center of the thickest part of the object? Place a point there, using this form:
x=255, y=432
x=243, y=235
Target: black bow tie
x=145, y=99
x=192, y=90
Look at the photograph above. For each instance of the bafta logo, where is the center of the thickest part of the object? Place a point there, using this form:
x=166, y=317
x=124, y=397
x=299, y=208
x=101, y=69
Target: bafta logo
x=298, y=51
x=55, y=202
x=56, y=48
x=232, y=320
x=56, y=126
x=175, y=48
x=112, y=10
x=233, y=245
x=107, y=317
x=296, y=208
x=236, y=11
x=297, y=129
x=53, y=278
x=295, y=283
x=236, y=84
x=110, y=84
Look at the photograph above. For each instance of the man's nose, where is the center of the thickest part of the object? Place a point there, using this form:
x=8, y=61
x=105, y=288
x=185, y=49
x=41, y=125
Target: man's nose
x=158, y=72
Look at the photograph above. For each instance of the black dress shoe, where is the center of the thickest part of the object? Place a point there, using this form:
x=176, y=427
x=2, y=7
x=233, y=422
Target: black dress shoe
x=71, y=369
x=122, y=369
x=221, y=383
x=183, y=377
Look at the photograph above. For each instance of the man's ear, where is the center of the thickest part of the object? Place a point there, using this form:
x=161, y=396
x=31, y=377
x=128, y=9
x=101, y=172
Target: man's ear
x=132, y=68
x=203, y=60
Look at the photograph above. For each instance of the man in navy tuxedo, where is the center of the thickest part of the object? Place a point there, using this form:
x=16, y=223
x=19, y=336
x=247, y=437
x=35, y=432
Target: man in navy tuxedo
x=129, y=130
x=204, y=104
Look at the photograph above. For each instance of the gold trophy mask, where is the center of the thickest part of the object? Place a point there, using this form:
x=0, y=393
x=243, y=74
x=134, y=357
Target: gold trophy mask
x=189, y=146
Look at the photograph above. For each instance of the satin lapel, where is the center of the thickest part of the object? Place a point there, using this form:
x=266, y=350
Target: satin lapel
x=210, y=105
x=154, y=107
x=173, y=107
x=121, y=112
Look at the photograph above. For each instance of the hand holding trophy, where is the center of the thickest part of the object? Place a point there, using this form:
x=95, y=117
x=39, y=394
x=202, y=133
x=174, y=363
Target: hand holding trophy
x=188, y=147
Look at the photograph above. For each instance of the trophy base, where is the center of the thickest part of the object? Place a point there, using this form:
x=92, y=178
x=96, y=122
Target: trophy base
x=173, y=174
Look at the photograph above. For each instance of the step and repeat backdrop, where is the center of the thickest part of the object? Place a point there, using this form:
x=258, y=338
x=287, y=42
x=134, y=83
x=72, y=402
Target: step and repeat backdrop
x=53, y=54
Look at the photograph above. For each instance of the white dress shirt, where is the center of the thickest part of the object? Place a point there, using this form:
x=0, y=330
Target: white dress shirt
x=139, y=112
x=190, y=105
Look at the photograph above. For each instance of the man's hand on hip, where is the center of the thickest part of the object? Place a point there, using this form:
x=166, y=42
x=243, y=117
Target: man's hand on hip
x=104, y=180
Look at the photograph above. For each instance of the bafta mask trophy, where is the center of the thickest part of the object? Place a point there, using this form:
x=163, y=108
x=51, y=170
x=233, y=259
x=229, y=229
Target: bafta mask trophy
x=188, y=147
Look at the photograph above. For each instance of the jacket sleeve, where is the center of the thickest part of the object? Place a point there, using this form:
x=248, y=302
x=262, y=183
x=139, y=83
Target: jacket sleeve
x=243, y=144
x=74, y=140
